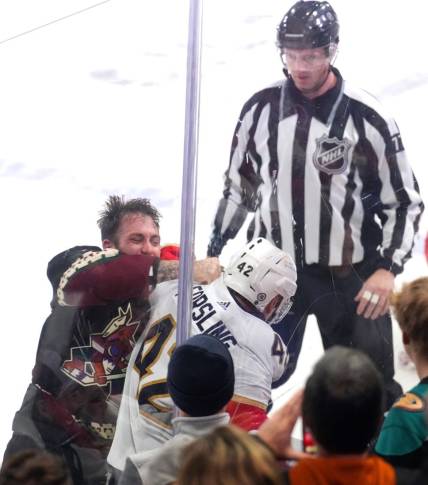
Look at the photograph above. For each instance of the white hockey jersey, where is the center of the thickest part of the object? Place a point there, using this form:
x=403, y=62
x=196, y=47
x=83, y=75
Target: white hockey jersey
x=258, y=353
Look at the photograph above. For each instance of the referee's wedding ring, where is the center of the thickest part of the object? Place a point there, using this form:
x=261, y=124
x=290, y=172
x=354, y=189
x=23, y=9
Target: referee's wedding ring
x=375, y=298
x=368, y=295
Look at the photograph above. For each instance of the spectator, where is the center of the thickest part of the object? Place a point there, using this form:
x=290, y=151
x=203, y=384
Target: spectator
x=34, y=467
x=200, y=382
x=342, y=406
x=255, y=289
x=403, y=440
x=98, y=310
x=228, y=456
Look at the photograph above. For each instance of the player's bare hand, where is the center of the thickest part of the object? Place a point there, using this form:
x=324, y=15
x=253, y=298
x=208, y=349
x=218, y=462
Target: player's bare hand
x=206, y=270
x=276, y=430
x=373, y=298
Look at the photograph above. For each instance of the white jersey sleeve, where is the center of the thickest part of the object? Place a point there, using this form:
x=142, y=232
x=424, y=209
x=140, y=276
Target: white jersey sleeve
x=258, y=353
x=260, y=359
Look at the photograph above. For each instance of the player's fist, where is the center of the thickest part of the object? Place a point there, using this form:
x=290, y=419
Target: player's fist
x=206, y=270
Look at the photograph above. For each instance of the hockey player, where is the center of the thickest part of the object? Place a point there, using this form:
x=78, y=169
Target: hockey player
x=255, y=290
x=98, y=311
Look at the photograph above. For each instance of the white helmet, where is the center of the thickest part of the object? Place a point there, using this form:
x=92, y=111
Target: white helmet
x=265, y=276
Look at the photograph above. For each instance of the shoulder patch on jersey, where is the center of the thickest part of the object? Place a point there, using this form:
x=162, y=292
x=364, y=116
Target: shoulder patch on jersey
x=410, y=402
x=331, y=155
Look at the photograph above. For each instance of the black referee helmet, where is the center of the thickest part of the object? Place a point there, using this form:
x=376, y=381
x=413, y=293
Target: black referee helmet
x=308, y=25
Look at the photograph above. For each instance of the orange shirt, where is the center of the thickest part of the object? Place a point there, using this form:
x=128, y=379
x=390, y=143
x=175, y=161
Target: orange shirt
x=367, y=470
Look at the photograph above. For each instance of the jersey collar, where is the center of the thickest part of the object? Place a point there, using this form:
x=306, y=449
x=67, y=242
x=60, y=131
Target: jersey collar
x=320, y=108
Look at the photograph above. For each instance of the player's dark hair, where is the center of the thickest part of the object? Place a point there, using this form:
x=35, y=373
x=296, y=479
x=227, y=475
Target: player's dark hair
x=343, y=401
x=116, y=207
x=34, y=467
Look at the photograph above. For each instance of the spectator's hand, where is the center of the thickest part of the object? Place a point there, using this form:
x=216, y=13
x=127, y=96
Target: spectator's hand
x=206, y=270
x=373, y=298
x=276, y=430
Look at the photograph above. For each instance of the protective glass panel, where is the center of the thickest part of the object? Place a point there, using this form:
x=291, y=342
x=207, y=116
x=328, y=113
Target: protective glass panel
x=93, y=105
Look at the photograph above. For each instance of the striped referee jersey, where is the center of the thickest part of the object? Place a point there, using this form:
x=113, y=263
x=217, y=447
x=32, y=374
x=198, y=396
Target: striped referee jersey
x=327, y=179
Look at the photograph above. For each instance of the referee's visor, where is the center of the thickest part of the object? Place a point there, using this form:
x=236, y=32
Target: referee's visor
x=308, y=58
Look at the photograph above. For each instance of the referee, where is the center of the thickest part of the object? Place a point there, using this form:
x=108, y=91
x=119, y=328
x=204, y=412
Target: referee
x=324, y=170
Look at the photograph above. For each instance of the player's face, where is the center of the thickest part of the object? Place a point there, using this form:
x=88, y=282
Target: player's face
x=137, y=234
x=276, y=309
x=272, y=307
x=308, y=68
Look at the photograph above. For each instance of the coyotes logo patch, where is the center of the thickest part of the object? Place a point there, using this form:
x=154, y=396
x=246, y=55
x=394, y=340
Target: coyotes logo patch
x=105, y=359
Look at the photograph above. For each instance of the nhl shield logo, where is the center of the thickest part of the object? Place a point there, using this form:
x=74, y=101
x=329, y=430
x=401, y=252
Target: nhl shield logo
x=331, y=155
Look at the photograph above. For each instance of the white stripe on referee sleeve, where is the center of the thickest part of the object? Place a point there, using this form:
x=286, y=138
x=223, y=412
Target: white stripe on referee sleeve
x=387, y=194
x=413, y=210
x=262, y=134
x=235, y=200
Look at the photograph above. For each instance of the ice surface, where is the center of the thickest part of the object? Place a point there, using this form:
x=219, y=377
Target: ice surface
x=94, y=104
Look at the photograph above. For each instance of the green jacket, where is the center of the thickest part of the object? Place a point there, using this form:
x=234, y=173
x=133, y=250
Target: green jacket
x=404, y=434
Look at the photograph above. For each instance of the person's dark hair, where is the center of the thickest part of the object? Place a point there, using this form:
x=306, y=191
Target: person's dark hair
x=343, y=401
x=116, y=207
x=34, y=467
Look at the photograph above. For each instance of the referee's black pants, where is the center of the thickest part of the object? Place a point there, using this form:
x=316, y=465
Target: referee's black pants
x=328, y=293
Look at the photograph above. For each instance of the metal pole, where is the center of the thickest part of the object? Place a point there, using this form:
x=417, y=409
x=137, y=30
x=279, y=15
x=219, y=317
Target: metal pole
x=188, y=195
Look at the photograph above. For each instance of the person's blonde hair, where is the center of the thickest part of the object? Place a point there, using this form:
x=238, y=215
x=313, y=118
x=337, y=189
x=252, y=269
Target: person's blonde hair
x=410, y=307
x=228, y=456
